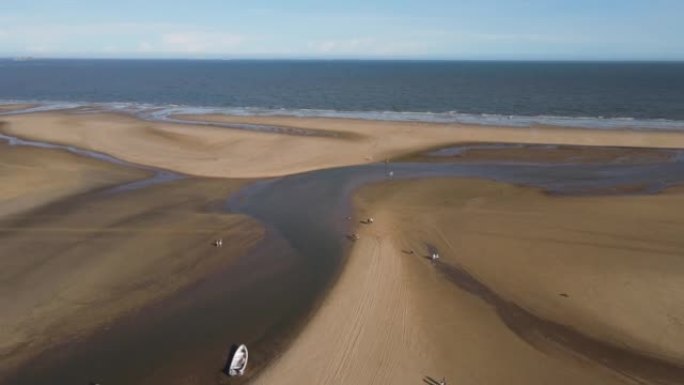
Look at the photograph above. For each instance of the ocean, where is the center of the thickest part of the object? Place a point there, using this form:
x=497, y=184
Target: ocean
x=594, y=94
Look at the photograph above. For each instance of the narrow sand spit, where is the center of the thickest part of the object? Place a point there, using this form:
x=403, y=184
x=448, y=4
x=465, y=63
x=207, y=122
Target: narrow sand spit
x=364, y=333
x=606, y=268
x=224, y=152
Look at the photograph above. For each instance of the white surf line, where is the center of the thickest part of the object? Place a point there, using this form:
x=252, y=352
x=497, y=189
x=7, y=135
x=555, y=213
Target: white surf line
x=166, y=115
x=42, y=107
x=163, y=113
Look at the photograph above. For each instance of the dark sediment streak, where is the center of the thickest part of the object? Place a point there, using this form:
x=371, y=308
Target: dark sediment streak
x=166, y=116
x=540, y=332
x=271, y=129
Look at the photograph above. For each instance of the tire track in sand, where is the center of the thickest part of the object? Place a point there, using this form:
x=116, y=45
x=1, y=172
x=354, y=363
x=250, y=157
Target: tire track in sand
x=365, y=330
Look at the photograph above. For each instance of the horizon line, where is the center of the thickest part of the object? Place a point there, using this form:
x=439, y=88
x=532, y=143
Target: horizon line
x=20, y=58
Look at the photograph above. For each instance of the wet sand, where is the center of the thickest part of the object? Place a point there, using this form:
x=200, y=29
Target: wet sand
x=497, y=153
x=530, y=288
x=15, y=107
x=32, y=177
x=122, y=285
x=205, y=150
x=76, y=256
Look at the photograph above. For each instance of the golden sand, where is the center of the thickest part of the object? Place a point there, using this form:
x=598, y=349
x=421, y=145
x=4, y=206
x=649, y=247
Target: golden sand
x=225, y=152
x=609, y=268
x=32, y=177
x=530, y=289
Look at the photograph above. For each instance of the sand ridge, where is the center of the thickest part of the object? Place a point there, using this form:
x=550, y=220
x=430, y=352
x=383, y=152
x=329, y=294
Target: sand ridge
x=237, y=153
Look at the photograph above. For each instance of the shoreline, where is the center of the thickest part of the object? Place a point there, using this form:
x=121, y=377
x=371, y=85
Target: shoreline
x=445, y=117
x=15, y=107
x=209, y=151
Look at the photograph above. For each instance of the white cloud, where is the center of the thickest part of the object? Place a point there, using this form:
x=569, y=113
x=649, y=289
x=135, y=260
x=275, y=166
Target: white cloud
x=367, y=46
x=199, y=42
x=191, y=42
x=120, y=38
x=111, y=49
x=145, y=47
x=65, y=31
x=529, y=38
x=342, y=46
x=39, y=49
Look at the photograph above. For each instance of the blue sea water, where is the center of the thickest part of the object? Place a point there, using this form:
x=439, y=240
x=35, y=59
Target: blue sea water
x=639, y=94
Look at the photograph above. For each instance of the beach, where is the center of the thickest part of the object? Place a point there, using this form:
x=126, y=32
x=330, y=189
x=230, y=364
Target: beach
x=33, y=177
x=581, y=262
x=209, y=151
x=77, y=255
x=530, y=288
x=15, y=107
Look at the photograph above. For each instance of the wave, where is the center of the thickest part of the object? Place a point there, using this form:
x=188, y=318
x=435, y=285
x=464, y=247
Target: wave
x=166, y=113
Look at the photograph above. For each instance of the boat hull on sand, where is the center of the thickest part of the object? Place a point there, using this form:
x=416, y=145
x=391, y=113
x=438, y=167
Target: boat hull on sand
x=238, y=362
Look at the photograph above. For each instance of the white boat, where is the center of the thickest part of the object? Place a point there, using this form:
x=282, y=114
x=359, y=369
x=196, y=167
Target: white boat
x=238, y=363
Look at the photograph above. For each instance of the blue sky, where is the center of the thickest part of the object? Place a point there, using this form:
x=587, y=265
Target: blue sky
x=427, y=29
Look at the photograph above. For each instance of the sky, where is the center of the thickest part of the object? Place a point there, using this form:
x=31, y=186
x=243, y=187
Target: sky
x=349, y=29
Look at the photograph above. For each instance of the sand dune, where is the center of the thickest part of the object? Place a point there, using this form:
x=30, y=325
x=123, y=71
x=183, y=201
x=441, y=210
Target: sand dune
x=225, y=152
x=583, y=263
